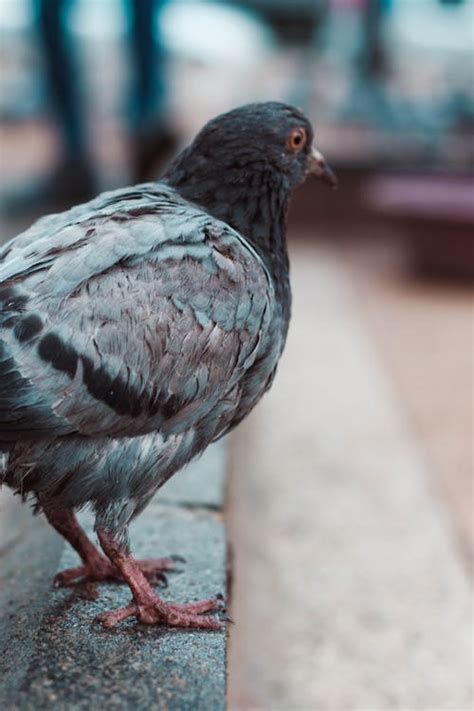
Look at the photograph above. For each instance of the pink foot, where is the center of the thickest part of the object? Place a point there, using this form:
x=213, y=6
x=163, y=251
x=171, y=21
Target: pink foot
x=101, y=569
x=156, y=611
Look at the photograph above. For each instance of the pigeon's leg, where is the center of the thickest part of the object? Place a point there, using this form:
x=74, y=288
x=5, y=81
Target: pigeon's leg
x=146, y=605
x=95, y=566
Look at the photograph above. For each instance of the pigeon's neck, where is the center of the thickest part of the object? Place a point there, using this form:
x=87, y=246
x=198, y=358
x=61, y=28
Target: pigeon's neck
x=253, y=202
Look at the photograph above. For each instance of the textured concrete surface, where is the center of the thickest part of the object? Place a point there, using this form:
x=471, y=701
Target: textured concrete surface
x=350, y=589
x=424, y=331
x=52, y=656
x=29, y=555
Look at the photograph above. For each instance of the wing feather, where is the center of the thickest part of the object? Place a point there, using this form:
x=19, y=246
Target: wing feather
x=125, y=317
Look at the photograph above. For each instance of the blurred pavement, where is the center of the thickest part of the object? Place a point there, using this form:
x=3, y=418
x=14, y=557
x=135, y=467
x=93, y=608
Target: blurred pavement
x=351, y=589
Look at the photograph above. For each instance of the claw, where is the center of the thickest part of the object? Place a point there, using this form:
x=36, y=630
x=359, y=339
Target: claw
x=158, y=578
x=178, y=558
x=71, y=576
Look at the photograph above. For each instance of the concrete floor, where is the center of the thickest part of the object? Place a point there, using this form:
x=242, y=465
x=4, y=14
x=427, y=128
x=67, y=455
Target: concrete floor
x=348, y=500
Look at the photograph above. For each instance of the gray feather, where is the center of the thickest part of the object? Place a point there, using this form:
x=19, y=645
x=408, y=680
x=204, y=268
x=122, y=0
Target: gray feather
x=139, y=317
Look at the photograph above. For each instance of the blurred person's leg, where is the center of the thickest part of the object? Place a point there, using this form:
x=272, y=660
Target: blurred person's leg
x=153, y=139
x=70, y=180
x=61, y=73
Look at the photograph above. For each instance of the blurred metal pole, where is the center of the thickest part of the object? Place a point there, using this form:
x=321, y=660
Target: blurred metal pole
x=304, y=80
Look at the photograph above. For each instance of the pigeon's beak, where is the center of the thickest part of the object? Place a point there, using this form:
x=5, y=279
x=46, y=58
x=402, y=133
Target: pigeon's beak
x=317, y=166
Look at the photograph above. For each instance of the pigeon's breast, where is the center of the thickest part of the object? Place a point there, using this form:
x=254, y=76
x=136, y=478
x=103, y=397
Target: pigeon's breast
x=259, y=378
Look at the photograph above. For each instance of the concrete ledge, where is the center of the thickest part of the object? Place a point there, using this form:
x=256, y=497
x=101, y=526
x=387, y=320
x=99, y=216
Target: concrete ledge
x=66, y=662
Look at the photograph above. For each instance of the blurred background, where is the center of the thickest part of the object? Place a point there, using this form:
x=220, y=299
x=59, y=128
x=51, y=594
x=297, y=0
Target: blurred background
x=351, y=491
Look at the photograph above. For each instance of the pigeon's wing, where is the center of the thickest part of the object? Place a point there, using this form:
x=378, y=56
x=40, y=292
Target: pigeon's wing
x=138, y=316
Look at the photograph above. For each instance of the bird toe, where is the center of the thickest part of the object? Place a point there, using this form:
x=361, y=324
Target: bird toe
x=188, y=615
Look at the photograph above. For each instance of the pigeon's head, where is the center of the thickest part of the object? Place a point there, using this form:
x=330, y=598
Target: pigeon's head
x=272, y=139
x=243, y=166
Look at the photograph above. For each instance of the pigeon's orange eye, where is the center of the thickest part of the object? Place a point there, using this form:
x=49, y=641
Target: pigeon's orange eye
x=296, y=139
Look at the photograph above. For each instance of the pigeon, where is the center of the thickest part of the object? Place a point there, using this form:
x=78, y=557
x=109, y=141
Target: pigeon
x=141, y=326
